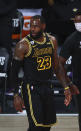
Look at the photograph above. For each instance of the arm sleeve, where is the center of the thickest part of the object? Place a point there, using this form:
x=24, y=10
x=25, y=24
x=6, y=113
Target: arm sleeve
x=15, y=67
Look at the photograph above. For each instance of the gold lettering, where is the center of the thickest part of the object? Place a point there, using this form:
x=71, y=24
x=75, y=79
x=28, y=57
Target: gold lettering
x=38, y=52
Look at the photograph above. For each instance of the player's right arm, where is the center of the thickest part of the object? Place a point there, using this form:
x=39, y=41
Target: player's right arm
x=21, y=49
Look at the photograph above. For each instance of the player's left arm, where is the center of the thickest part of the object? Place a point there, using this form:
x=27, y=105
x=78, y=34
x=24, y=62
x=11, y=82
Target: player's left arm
x=60, y=72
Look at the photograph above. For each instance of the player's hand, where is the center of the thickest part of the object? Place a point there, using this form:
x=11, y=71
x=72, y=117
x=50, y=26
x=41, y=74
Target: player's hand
x=68, y=97
x=18, y=103
x=74, y=89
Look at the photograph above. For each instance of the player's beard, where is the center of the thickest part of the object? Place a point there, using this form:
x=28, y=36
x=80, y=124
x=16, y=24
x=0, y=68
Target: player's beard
x=37, y=36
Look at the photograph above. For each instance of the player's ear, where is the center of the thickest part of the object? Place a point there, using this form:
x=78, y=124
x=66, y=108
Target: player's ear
x=43, y=26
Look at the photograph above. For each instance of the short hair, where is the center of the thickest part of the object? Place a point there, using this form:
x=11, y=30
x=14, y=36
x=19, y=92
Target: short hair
x=42, y=20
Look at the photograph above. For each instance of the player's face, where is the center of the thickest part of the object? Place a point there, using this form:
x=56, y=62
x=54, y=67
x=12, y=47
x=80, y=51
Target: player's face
x=77, y=22
x=77, y=19
x=36, y=28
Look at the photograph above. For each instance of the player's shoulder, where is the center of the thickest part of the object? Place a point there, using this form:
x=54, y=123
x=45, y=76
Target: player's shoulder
x=21, y=44
x=53, y=40
x=52, y=37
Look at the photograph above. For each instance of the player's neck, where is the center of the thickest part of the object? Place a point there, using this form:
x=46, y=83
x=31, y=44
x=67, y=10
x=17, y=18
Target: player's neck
x=41, y=39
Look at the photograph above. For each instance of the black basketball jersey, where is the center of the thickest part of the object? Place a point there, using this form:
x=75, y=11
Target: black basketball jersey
x=38, y=62
x=72, y=47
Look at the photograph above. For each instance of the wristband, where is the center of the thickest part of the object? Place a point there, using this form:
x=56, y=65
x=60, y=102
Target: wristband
x=67, y=87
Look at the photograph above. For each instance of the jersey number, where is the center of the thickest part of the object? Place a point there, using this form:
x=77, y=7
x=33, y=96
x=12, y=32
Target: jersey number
x=44, y=63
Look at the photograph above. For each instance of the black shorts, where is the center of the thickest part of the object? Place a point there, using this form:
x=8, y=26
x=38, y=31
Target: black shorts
x=40, y=104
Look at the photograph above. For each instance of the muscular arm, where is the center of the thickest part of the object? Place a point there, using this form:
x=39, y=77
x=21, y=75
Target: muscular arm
x=62, y=62
x=73, y=88
x=60, y=73
x=58, y=69
x=20, y=50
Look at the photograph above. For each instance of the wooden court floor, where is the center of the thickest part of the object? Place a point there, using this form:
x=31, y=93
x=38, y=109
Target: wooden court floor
x=19, y=122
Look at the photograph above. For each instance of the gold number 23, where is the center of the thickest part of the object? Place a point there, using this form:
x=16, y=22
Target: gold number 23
x=44, y=63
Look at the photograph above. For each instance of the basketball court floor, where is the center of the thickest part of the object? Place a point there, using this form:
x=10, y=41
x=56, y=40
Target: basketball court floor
x=19, y=122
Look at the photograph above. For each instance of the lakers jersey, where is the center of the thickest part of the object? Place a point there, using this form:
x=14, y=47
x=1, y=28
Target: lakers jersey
x=38, y=61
